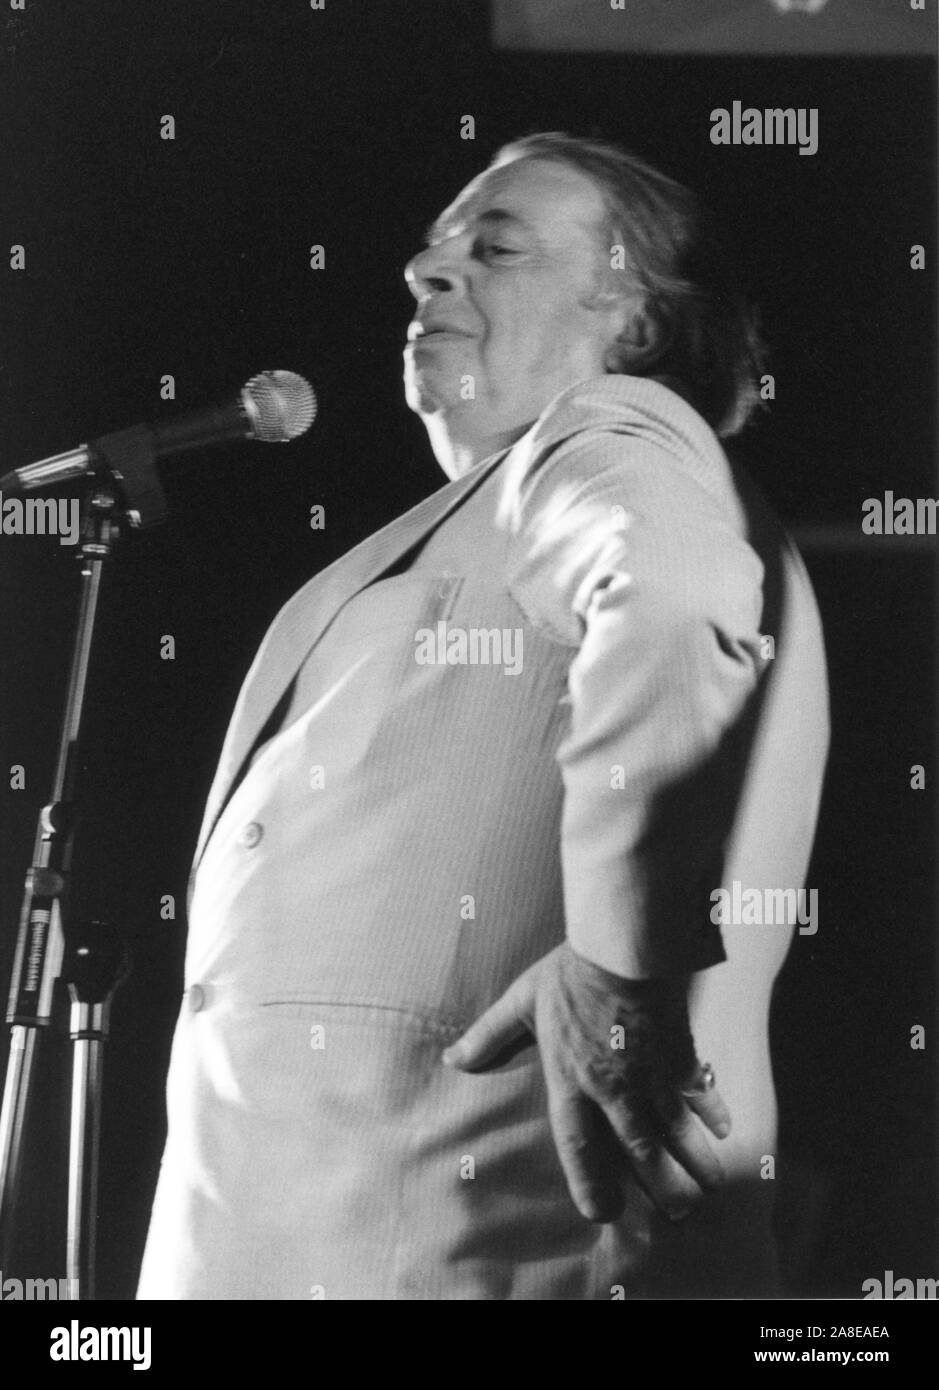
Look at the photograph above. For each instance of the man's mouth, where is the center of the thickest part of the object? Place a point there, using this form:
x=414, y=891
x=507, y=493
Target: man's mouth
x=419, y=331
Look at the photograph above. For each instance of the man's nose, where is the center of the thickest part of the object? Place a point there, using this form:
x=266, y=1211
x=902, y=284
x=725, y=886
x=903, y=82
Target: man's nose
x=431, y=271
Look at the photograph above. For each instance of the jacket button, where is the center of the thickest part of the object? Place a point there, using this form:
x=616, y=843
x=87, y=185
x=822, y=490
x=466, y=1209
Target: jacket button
x=251, y=835
x=196, y=998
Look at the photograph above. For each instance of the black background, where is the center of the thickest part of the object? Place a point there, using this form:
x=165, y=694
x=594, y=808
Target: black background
x=341, y=127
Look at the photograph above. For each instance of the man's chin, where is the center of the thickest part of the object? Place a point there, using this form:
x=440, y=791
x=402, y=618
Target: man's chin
x=424, y=395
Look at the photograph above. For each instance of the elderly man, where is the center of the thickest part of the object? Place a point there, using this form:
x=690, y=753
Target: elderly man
x=456, y=992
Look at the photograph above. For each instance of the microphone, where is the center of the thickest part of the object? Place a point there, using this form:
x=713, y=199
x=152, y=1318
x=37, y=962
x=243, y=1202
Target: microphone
x=272, y=408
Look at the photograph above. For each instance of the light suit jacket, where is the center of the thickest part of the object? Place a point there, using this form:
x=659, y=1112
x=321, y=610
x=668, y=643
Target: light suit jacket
x=432, y=816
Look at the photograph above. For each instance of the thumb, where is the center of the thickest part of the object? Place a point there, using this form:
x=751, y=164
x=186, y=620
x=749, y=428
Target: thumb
x=505, y=1022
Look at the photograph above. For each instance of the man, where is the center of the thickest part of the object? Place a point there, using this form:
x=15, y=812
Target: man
x=452, y=943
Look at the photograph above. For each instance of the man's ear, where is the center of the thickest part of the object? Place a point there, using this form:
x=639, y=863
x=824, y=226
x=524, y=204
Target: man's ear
x=642, y=340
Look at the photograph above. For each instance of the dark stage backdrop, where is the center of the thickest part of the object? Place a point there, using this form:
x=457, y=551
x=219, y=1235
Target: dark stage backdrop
x=341, y=127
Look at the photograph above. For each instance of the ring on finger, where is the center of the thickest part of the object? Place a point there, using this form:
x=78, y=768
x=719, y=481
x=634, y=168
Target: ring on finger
x=704, y=1080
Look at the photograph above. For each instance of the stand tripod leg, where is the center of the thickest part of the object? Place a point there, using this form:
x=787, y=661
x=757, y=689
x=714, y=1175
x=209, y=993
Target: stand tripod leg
x=95, y=965
x=20, y=1064
x=87, y=1069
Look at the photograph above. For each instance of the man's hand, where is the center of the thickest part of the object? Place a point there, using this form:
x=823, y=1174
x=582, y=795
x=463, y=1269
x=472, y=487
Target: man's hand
x=622, y=1080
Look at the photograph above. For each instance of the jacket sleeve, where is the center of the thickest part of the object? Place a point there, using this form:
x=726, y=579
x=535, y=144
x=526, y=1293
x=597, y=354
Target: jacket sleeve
x=621, y=554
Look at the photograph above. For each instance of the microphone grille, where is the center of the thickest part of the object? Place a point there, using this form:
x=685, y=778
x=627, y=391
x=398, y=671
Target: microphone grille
x=281, y=405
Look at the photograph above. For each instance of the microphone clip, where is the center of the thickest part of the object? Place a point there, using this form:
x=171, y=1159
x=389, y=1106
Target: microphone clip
x=129, y=459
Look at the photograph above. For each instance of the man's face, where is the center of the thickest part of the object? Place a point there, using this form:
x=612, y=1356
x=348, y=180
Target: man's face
x=502, y=325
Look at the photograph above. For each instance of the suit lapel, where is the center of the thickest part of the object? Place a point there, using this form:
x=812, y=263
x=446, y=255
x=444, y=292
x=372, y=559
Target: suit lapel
x=303, y=620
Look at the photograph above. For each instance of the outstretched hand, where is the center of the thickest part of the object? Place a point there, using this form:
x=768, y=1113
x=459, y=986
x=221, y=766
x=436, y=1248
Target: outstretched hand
x=622, y=1079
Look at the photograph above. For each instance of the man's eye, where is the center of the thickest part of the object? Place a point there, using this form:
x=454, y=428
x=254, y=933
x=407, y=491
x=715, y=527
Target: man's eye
x=494, y=250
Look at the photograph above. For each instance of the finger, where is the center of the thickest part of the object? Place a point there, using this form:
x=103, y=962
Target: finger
x=672, y=1189
x=587, y=1153
x=505, y=1022
x=706, y=1102
x=686, y=1141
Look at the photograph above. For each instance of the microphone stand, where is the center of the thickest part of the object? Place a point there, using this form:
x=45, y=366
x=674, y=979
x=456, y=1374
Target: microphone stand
x=97, y=964
x=126, y=489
